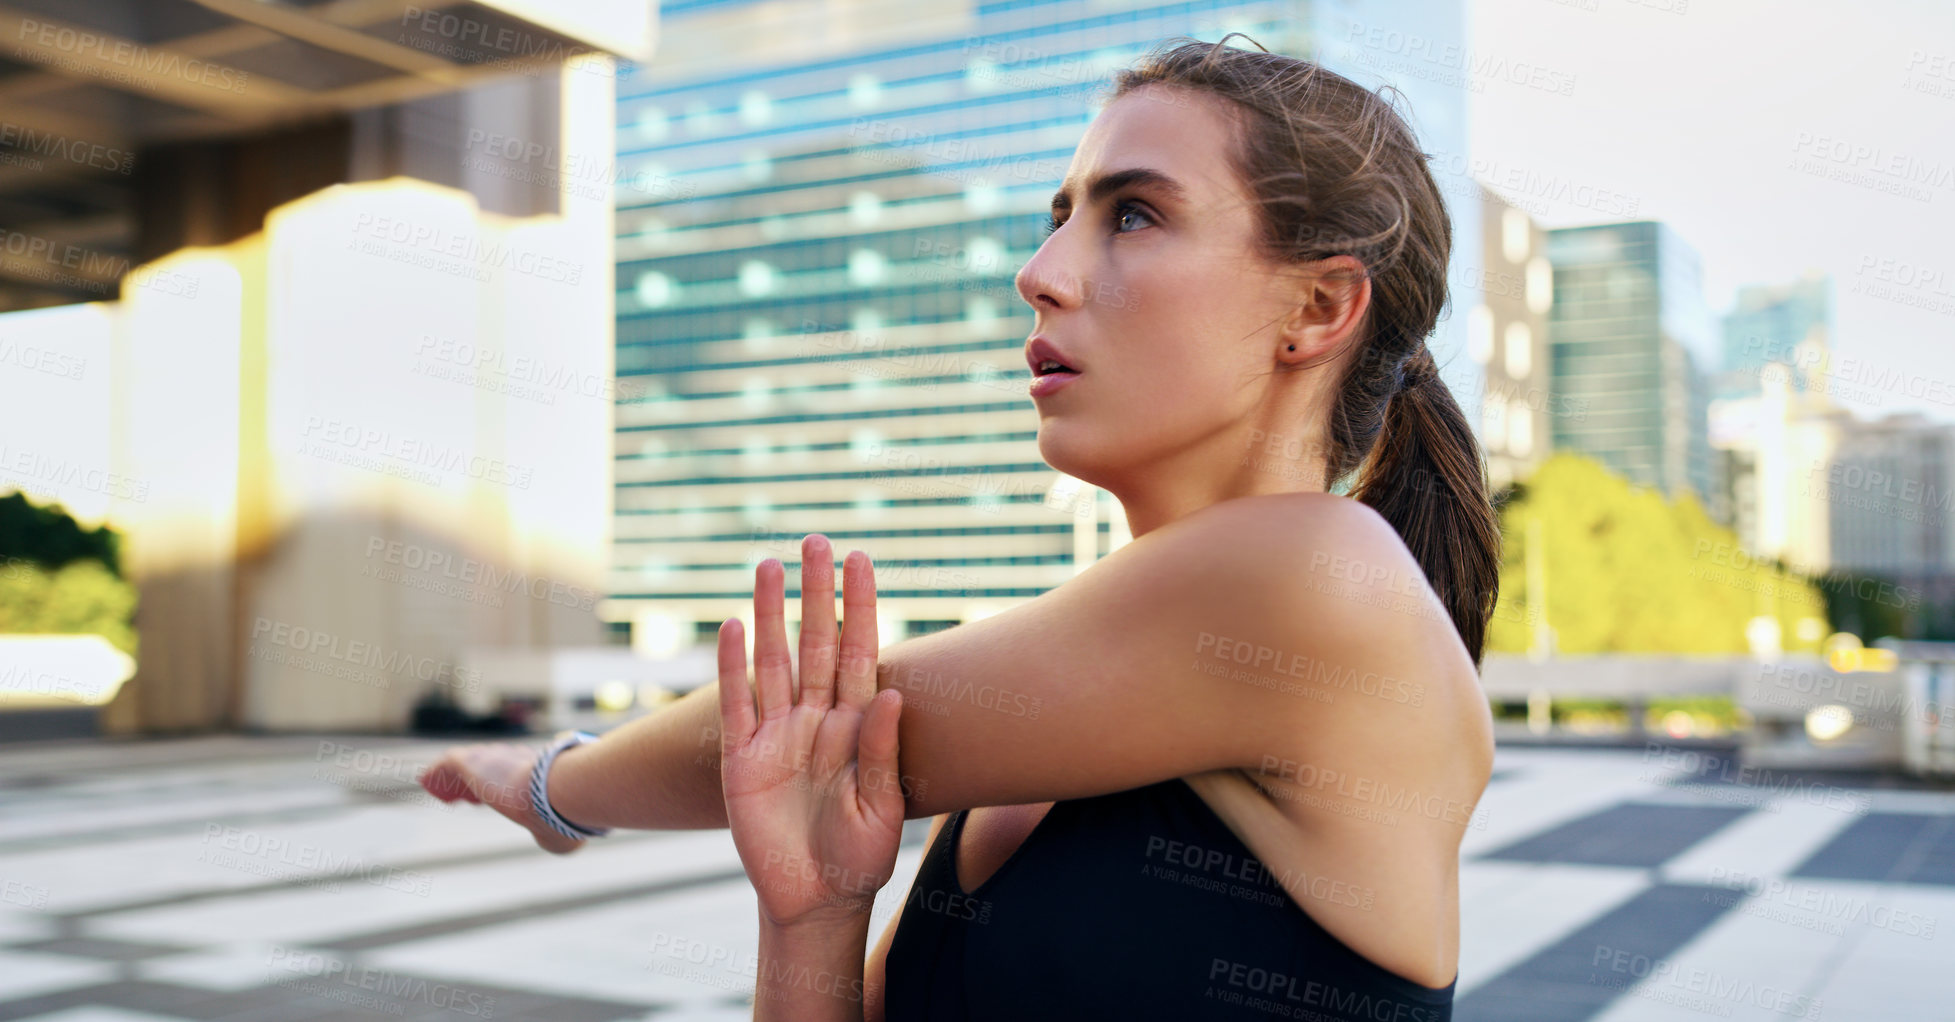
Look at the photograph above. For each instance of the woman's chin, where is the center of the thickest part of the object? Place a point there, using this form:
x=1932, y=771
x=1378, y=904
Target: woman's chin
x=1066, y=450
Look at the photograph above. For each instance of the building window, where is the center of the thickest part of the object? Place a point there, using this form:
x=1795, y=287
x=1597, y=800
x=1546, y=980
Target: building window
x=1479, y=334
x=1520, y=350
x=1520, y=429
x=1513, y=235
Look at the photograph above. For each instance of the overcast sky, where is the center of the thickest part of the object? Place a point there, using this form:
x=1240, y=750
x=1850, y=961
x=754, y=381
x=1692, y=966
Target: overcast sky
x=1775, y=137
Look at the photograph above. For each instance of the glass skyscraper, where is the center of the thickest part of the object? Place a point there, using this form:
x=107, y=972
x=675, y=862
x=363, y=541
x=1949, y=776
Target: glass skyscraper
x=1782, y=324
x=818, y=328
x=1632, y=338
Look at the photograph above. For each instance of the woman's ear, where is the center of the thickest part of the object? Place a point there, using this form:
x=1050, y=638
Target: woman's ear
x=1332, y=297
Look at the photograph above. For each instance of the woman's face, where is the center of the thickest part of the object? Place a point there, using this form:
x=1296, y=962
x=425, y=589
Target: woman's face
x=1154, y=291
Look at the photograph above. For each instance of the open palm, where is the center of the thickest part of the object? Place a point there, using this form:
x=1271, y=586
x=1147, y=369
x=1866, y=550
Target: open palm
x=810, y=775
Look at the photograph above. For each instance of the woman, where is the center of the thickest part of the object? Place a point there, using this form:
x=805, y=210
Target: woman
x=1223, y=772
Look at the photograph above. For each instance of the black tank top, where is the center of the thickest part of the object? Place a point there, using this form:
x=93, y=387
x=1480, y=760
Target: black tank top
x=1138, y=904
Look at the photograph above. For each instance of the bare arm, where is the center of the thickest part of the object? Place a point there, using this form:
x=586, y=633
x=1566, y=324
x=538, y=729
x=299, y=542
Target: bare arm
x=659, y=772
x=1124, y=676
x=1105, y=683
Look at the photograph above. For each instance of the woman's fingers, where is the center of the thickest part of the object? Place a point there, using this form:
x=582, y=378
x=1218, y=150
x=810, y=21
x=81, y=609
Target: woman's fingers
x=855, y=682
x=772, y=666
x=444, y=780
x=817, y=675
x=879, y=784
x=736, y=701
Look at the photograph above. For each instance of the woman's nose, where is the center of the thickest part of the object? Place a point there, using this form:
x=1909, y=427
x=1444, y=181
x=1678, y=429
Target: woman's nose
x=1043, y=283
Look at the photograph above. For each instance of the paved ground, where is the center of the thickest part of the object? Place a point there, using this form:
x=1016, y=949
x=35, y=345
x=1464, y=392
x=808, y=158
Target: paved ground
x=307, y=879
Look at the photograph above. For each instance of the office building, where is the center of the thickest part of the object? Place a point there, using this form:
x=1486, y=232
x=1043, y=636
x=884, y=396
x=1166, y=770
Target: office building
x=1890, y=487
x=1788, y=325
x=1630, y=338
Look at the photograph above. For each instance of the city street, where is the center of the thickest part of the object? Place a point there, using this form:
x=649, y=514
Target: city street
x=309, y=878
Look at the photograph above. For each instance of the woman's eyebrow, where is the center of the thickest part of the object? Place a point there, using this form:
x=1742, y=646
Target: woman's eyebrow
x=1113, y=181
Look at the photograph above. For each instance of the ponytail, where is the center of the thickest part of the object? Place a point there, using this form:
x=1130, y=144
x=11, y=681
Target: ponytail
x=1426, y=478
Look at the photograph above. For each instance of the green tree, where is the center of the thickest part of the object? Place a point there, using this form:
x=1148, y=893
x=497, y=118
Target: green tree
x=1631, y=571
x=57, y=577
x=50, y=537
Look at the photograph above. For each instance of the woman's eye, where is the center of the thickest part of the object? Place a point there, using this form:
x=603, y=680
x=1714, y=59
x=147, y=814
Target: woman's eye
x=1121, y=211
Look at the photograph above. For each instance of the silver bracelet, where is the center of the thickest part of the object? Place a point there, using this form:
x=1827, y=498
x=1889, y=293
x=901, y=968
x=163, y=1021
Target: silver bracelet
x=539, y=786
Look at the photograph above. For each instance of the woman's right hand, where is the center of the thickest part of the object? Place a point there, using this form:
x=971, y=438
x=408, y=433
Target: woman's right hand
x=495, y=775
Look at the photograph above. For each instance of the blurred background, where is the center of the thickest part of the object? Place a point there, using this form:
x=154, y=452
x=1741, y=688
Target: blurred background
x=375, y=376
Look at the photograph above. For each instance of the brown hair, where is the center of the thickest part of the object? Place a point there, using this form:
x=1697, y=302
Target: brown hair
x=1336, y=171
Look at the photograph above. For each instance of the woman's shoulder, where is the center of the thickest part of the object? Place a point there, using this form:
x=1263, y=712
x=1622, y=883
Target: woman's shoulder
x=1307, y=520
x=1310, y=546
x=1345, y=587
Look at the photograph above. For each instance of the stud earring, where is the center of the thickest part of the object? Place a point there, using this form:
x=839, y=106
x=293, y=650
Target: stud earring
x=1293, y=347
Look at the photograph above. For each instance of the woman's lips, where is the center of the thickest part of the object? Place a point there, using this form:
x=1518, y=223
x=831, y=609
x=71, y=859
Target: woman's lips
x=1052, y=383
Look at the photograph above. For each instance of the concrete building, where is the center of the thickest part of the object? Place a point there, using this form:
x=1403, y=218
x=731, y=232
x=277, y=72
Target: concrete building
x=1890, y=489
x=328, y=287
x=1767, y=447
x=1507, y=338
